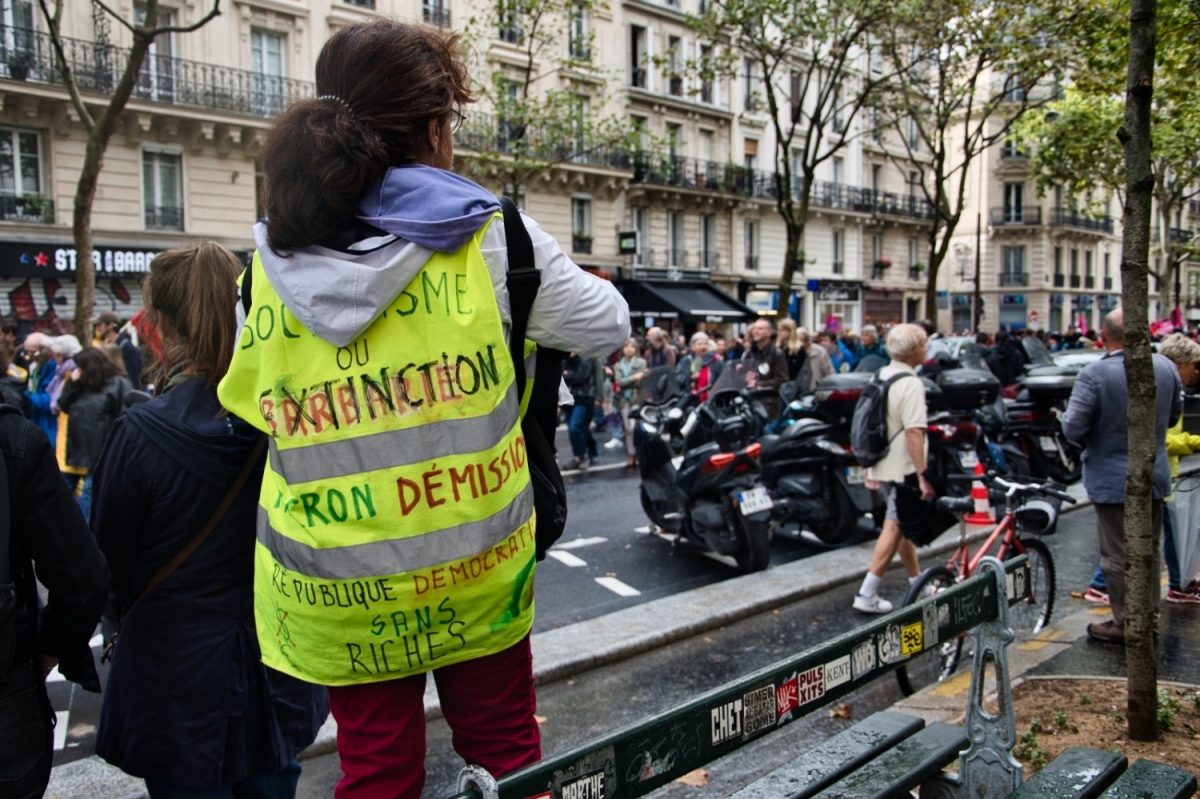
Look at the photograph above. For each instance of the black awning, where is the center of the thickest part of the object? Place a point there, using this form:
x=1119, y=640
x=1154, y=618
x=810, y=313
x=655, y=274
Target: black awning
x=688, y=302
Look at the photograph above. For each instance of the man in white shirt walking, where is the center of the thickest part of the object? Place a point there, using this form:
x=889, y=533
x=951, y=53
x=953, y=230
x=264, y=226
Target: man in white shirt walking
x=905, y=456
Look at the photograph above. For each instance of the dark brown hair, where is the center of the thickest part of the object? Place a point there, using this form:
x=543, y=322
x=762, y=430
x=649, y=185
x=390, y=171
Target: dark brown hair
x=194, y=289
x=95, y=369
x=112, y=351
x=378, y=86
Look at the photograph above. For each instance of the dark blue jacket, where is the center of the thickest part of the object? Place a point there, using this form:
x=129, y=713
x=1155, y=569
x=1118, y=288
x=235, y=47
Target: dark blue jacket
x=39, y=402
x=188, y=700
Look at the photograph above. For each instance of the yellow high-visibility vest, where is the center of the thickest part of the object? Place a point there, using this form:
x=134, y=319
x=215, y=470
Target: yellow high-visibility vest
x=395, y=526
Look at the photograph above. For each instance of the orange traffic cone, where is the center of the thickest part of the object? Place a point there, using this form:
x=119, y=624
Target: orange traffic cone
x=983, y=505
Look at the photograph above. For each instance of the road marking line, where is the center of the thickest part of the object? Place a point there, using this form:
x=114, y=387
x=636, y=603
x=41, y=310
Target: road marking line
x=724, y=559
x=645, y=529
x=566, y=558
x=60, y=729
x=608, y=467
x=1039, y=641
x=953, y=686
x=1101, y=610
x=580, y=542
x=617, y=587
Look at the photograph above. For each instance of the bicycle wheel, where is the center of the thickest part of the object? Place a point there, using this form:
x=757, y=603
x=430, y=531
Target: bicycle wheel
x=936, y=664
x=1030, y=617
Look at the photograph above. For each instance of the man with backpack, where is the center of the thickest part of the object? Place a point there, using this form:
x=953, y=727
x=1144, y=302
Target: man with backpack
x=888, y=436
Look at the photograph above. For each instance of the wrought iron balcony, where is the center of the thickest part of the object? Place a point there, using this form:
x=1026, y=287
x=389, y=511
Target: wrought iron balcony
x=1017, y=215
x=838, y=267
x=1074, y=281
x=693, y=173
x=706, y=92
x=581, y=243
x=1089, y=282
x=1065, y=217
x=675, y=86
x=1014, y=278
x=751, y=263
x=164, y=217
x=162, y=79
x=511, y=34
x=709, y=259
x=676, y=257
x=580, y=51
x=32, y=208
x=637, y=77
x=1060, y=280
x=1176, y=235
x=486, y=133
x=1108, y=284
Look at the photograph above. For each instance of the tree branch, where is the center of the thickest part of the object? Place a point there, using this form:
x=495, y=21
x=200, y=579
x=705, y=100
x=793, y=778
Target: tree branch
x=52, y=22
x=207, y=18
x=132, y=28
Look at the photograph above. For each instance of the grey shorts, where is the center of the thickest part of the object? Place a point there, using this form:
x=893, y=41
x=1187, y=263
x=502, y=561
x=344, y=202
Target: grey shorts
x=889, y=493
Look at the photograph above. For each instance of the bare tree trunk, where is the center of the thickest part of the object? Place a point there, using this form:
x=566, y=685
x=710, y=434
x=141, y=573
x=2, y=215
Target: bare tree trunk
x=1141, y=602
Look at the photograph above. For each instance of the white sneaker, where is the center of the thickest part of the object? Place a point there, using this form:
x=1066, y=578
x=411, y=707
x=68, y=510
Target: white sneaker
x=871, y=604
x=614, y=443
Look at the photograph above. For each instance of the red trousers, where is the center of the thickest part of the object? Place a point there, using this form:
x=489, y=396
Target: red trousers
x=488, y=702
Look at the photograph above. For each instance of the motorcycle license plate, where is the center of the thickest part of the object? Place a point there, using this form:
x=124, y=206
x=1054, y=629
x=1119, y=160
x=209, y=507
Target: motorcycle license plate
x=968, y=460
x=756, y=500
x=854, y=475
x=1047, y=444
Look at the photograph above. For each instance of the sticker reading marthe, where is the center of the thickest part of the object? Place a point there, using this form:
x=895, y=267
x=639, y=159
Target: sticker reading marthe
x=396, y=529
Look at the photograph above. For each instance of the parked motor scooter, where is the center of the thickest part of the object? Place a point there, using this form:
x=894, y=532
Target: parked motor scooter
x=701, y=478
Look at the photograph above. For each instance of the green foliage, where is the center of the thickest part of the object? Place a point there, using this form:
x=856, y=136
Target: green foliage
x=1029, y=749
x=1060, y=719
x=1168, y=708
x=1035, y=725
x=1086, y=699
x=1196, y=702
x=1118, y=716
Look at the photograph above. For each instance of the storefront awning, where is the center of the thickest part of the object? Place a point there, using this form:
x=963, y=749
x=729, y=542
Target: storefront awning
x=688, y=302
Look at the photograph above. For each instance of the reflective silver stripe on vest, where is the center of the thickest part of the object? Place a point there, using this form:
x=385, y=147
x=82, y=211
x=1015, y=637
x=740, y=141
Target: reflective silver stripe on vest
x=380, y=558
x=392, y=448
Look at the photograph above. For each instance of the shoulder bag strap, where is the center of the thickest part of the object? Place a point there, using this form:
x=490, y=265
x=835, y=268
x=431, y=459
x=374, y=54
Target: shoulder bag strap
x=192, y=545
x=522, y=281
x=5, y=525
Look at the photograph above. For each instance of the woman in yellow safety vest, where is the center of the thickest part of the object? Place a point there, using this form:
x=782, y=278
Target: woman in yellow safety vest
x=396, y=525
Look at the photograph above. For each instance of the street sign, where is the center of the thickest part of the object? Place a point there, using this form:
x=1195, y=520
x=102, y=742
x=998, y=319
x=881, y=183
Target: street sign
x=1033, y=317
x=627, y=242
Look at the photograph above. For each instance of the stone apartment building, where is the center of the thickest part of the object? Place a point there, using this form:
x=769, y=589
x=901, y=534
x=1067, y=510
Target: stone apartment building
x=708, y=247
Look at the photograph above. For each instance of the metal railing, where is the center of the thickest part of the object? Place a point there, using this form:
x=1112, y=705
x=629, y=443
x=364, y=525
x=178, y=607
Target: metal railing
x=34, y=209
x=29, y=56
x=1014, y=278
x=1194, y=207
x=1176, y=235
x=164, y=217
x=1075, y=282
x=1017, y=215
x=675, y=86
x=1060, y=280
x=1065, y=217
x=637, y=77
x=511, y=34
x=751, y=263
x=580, y=51
x=706, y=92
x=709, y=259
x=581, y=244
x=1089, y=282
x=1108, y=283
x=676, y=257
x=487, y=133
x=838, y=267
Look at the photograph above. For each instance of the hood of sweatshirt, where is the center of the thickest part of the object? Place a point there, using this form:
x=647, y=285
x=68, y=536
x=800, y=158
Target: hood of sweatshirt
x=337, y=294
x=190, y=426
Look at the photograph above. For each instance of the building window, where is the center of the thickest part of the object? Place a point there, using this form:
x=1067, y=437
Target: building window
x=876, y=178
x=510, y=23
x=161, y=173
x=1012, y=266
x=1014, y=203
x=839, y=169
x=1012, y=149
x=581, y=225
x=675, y=255
x=914, y=135
x=750, y=157
x=912, y=251
x=18, y=37
x=751, y=236
x=21, y=178
x=638, y=52
x=579, y=42
x=839, y=266
x=435, y=12
x=156, y=80
x=839, y=119
x=674, y=69
x=748, y=85
x=876, y=246
x=706, y=83
x=579, y=116
x=267, y=73
x=914, y=184
x=708, y=241
x=641, y=224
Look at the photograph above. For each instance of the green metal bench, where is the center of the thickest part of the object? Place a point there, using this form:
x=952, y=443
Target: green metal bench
x=886, y=755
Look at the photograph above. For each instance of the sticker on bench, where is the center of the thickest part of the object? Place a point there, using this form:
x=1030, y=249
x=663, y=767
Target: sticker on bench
x=837, y=672
x=862, y=659
x=726, y=722
x=591, y=777
x=758, y=708
x=890, y=648
x=912, y=639
x=930, y=612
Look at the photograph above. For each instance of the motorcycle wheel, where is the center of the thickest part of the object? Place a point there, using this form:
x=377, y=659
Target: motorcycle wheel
x=1069, y=473
x=754, y=550
x=843, y=523
x=1018, y=465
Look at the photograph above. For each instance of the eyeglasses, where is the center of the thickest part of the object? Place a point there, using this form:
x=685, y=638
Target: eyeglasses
x=457, y=123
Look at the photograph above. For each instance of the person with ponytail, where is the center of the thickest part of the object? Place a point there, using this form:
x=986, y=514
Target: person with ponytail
x=188, y=705
x=375, y=354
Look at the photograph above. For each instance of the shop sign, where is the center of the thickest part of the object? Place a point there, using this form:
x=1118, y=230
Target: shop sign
x=627, y=242
x=34, y=259
x=1012, y=299
x=837, y=294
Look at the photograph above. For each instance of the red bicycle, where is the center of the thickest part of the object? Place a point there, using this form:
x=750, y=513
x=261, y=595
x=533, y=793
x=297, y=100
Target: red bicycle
x=1023, y=513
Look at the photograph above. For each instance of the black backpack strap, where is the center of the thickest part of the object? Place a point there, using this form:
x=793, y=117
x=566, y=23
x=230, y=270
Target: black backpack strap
x=246, y=288
x=8, y=588
x=523, y=280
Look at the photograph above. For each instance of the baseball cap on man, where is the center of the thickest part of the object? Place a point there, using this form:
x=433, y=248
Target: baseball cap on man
x=108, y=317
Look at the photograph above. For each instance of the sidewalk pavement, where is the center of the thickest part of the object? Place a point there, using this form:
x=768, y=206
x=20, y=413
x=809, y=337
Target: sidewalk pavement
x=561, y=653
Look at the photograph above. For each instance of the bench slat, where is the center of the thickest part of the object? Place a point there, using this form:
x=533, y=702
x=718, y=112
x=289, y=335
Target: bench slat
x=1077, y=773
x=899, y=770
x=821, y=766
x=1146, y=779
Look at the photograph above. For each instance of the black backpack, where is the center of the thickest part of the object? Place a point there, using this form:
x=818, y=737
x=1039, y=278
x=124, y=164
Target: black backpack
x=868, y=427
x=538, y=424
